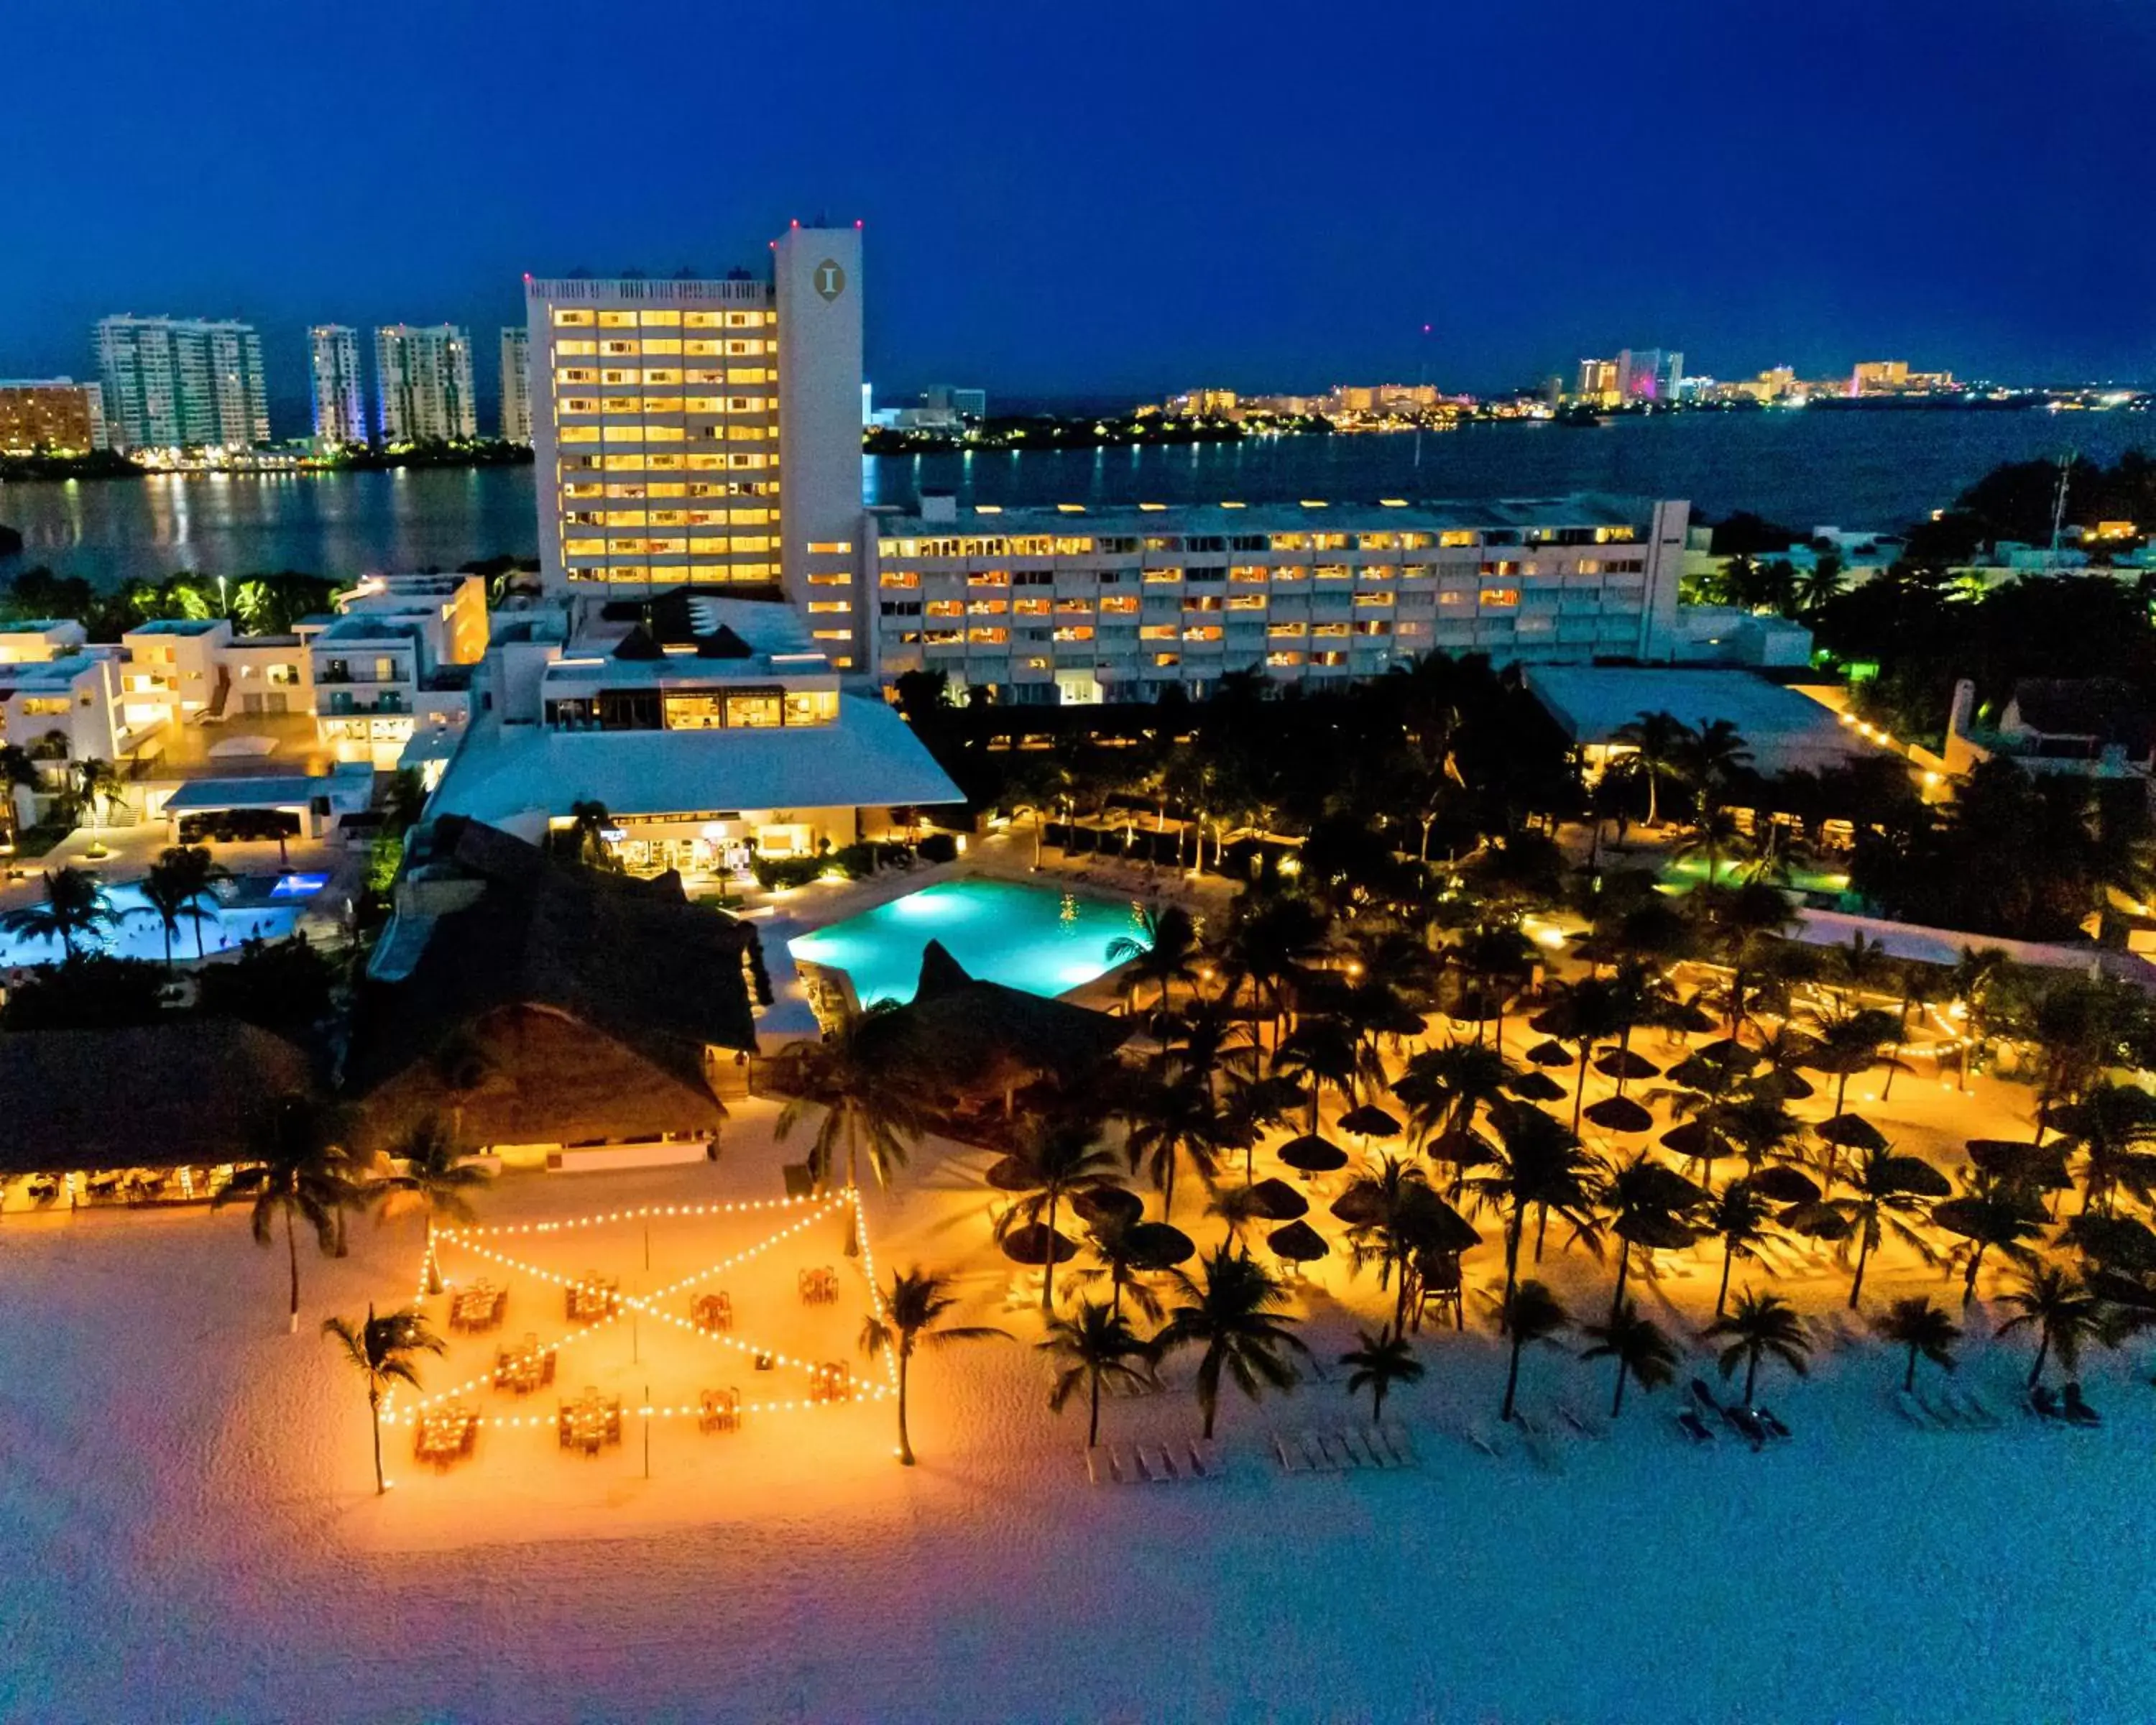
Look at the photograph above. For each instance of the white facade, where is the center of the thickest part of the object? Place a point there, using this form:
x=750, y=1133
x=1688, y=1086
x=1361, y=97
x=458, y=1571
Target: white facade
x=659, y=411
x=169, y=382
x=517, y=385
x=339, y=390
x=1077, y=605
x=424, y=379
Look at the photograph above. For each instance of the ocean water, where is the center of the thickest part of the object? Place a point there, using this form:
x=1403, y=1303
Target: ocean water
x=1807, y=469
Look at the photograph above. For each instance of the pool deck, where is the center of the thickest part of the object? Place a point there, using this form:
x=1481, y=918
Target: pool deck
x=1006, y=855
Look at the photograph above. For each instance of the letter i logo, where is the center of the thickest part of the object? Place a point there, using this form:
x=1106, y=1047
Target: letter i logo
x=830, y=279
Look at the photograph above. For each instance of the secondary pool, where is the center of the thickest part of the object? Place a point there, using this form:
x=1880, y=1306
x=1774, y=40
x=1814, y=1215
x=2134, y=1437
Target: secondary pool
x=252, y=908
x=1030, y=937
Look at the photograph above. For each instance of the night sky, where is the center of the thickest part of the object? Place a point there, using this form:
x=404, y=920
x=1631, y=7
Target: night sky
x=1112, y=199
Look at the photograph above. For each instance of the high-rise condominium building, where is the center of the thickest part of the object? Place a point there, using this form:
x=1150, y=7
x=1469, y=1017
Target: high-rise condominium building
x=663, y=409
x=517, y=385
x=1649, y=373
x=339, y=391
x=424, y=378
x=1074, y=605
x=53, y=416
x=183, y=381
x=1597, y=379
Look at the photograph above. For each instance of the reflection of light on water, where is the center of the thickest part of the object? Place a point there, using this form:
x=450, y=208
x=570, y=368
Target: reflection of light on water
x=1069, y=910
x=1072, y=976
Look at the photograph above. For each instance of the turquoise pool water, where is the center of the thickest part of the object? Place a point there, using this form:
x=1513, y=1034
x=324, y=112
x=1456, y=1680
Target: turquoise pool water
x=1030, y=937
x=258, y=908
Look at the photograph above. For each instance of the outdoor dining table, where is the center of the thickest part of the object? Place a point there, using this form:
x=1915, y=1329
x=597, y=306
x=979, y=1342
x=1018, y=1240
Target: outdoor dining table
x=524, y=1369
x=831, y=1382
x=818, y=1286
x=479, y=1306
x=446, y=1435
x=595, y=1296
x=712, y=1312
x=589, y=1421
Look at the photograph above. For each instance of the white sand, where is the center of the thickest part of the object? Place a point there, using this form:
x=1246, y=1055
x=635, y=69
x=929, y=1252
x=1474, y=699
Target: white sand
x=192, y=1532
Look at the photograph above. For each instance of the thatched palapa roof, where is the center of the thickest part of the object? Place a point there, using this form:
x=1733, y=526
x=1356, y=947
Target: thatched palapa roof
x=982, y=1034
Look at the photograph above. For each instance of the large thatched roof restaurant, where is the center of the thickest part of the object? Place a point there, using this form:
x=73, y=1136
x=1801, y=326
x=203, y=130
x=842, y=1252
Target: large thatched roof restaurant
x=544, y=1010
x=152, y=1113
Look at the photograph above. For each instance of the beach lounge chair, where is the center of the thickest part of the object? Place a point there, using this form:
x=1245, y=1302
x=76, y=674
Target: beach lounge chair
x=1695, y=1428
x=1121, y=1469
x=1372, y=1449
x=1205, y=1463
x=1586, y=1424
x=1402, y=1445
x=1703, y=1397
x=2043, y=1405
x=1772, y=1421
x=1478, y=1435
x=1973, y=1408
x=1321, y=1461
x=1156, y=1464
x=1340, y=1452
x=1944, y=1413
x=1092, y=1466
x=2077, y=1411
x=1291, y=1458
x=1746, y=1424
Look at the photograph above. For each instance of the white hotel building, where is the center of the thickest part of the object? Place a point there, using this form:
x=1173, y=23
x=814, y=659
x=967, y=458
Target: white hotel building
x=1075, y=605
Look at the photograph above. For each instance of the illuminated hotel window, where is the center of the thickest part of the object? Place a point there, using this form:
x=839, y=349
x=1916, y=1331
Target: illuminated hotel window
x=830, y=605
x=749, y=517
x=944, y=608
x=661, y=404
x=990, y=635
x=565, y=319
x=750, y=347
x=1288, y=631
x=660, y=320
x=694, y=712
x=987, y=608
x=1247, y=602
x=1456, y=537
x=702, y=404
x=898, y=578
x=706, y=347
x=1500, y=598
x=575, y=374
x=1334, y=658
x=1157, y=632
x=747, y=374
x=657, y=344
x=1025, y=608
x=830, y=548
x=617, y=320
x=662, y=434
x=576, y=347
x=1373, y=626
x=694, y=375
x=825, y=580
x=1333, y=572
x=1249, y=573
x=623, y=517
x=619, y=348
x=1283, y=658
x=1202, y=632
x=1074, y=632
x=621, y=375
x=672, y=488
x=1373, y=599
x=1120, y=604
x=755, y=710
x=1161, y=576
x=1167, y=659
x=581, y=404
x=811, y=706
x=578, y=433
x=989, y=577
x=664, y=464
x=1328, y=629
x=584, y=547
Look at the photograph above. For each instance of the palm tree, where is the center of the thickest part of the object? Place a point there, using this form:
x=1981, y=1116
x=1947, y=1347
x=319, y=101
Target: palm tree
x=867, y=1077
x=1989, y=1212
x=1883, y=1188
x=1657, y=741
x=1761, y=1324
x=589, y=824
x=434, y=1181
x=1094, y=1346
x=1920, y=985
x=1538, y=1165
x=1713, y=757
x=1711, y=839
x=1496, y=957
x=1638, y=1345
x=1172, y=1120
x=2114, y=1124
x=1233, y=1315
x=1121, y=1258
x=1380, y=1361
x=94, y=785
x=1923, y=1328
x=1651, y=1208
x=1396, y=1215
x=297, y=1168
x=190, y=872
x=1743, y=1222
x=1529, y=1313
x=381, y=1350
x=1163, y=949
x=74, y=906
x=2064, y=1316
x=1321, y=1051
x=1445, y=1088
x=18, y=771
x=168, y=900
x=908, y=1320
x=1055, y=1157
x=1846, y=1041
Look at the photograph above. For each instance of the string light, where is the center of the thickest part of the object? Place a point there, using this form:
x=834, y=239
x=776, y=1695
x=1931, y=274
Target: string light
x=847, y=1197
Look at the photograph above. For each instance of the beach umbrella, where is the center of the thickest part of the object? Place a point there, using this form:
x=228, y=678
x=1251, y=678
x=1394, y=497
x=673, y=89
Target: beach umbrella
x=1277, y=1201
x=1790, y=1087
x=1358, y=1206
x=1537, y=1087
x=1553, y=1021
x=1693, y=1141
x=1107, y=1203
x=1310, y=1154
x=1550, y=1053
x=1370, y=1121
x=2043, y=1165
x=1620, y=1114
x=2119, y=1243
x=1011, y=1173
x=1298, y=1243
x=1818, y=1220
x=1850, y=1132
x=1396, y=1017
x=1474, y=1007
x=1912, y=1173
x=1685, y=1018
x=1785, y=1184
x=1439, y=1227
x=1033, y=1243
x=1622, y=1063
x=1729, y=1052
x=1459, y=1146
x=1157, y=1245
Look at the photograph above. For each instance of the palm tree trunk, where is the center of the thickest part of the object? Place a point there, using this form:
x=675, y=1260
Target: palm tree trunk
x=1857, y=1281
x=1512, y=1382
x=852, y=1245
x=1751, y=1370
x=1617, y=1405
x=1909, y=1376
x=292, y=1252
x=1722, y=1293
x=2043, y=1354
x=1968, y=1281
x=1093, y=1430
x=374, y=1409
x=1399, y=1308
x=905, y=1442
x=1624, y=1264
x=433, y=1265
x=1579, y=1087
x=1541, y=1228
x=1511, y=1265
x=1048, y=1273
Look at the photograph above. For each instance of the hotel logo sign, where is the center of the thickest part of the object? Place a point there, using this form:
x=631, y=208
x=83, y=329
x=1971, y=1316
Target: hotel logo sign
x=830, y=279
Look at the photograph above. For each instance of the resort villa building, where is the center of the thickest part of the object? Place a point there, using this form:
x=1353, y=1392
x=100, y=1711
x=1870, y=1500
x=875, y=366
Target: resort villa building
x=1072, y=605
x=711, y=730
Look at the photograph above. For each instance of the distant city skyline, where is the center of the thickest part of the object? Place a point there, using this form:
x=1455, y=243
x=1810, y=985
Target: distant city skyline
x=1770, y=194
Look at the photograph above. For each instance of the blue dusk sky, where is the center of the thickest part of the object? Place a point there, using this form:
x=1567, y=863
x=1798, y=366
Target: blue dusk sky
x=1112, y=199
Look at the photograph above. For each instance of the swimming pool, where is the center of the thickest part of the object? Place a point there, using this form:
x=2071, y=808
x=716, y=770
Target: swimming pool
x=258, y=908
x=1030, y=937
